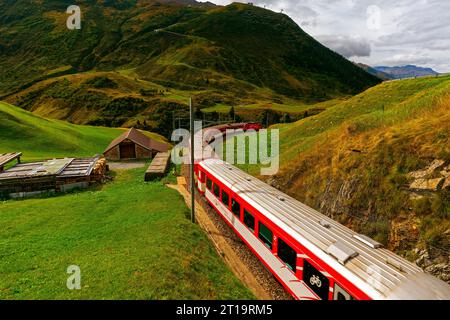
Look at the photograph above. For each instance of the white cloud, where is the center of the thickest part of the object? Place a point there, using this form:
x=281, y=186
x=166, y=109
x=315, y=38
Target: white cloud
x=349, y=47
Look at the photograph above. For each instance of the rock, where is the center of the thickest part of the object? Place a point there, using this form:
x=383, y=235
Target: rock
x=436, y=164
x=446, y=184
x=426, y=184
x=441, y=271
x=445, y=174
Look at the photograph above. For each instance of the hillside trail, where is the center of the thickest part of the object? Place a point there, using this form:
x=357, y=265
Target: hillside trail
x=225, y=250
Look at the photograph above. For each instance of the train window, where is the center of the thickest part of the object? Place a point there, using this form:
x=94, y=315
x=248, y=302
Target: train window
x=236, y=208
x=287, y=255
x=315, y=280
x=225, y=199
x=341, y=294
x=216, y=190
x=249, y=220
x=266, y=235
x=209, y=183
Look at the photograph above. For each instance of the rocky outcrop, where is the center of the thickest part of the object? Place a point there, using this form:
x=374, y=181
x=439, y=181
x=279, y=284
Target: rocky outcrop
x=446, y=184
x=434, y=263
x=432, y=185
x=436, y=164
x=332, y=204
x=432, y=178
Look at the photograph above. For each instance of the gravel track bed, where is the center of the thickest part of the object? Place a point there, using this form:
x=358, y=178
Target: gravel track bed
x=264, y=277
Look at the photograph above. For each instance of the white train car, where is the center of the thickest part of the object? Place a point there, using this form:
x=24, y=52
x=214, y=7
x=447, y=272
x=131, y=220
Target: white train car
x=313, y=256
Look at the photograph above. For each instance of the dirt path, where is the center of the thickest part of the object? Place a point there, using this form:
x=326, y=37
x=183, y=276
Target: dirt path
x=126, y=165
x=263, y=285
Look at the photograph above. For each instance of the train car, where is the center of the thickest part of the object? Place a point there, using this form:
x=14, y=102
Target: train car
x=211, y=134
x=311, y=255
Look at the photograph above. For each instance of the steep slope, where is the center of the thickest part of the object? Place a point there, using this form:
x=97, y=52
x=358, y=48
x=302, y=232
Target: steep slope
x=178, y=44
x=40, y=138
x=380, y=74
x=99, y=98
x=354, y=162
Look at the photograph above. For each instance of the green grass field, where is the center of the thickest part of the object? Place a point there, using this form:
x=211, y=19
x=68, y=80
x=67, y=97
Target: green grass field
x=132, y=240
x=283, y=108
x=39, y=138
x=386, y=105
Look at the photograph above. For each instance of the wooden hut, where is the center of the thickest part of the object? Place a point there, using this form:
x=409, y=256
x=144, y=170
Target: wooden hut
x=133, y=144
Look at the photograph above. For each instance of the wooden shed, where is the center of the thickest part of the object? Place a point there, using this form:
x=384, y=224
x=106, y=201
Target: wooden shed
x=133, y=144
x=56, y=175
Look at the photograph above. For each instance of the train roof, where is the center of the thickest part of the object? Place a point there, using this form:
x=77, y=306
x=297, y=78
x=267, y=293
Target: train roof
x=375, y=270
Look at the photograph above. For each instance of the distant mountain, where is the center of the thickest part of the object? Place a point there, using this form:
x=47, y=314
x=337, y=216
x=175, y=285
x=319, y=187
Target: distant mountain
x=408, y=71
x=379, y=74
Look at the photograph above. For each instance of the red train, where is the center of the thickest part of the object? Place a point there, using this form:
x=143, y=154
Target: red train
x=210, y=134
x=314, y=257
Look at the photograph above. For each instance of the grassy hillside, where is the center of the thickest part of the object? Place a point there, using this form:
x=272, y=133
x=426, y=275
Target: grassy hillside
x=352, y=162
x=238, y=53
x=131, y=240
x=41, y=138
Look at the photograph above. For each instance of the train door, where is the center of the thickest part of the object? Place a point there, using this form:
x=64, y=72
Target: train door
x=341, y=294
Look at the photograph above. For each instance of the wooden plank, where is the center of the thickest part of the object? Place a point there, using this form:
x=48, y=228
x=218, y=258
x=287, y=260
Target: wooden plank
x=6, y=158
x=158, y=167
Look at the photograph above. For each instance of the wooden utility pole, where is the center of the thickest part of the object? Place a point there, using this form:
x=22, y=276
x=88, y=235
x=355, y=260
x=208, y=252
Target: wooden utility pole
x=192, y=162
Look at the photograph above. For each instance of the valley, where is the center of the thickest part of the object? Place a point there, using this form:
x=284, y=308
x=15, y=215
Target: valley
x=359, y=144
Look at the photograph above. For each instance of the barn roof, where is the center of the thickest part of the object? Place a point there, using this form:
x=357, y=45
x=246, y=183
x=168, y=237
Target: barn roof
x=61, y=168
x=139, y=138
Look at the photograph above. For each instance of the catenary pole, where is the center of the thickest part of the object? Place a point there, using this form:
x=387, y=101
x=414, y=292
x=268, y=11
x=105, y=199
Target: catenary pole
x=192, y=161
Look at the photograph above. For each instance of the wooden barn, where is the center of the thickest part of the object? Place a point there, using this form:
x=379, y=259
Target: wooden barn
x=133, y=144
x=56, y=175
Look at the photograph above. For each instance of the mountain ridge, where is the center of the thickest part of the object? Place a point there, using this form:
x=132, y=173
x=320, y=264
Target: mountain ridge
x=125, y=36
x=406, y=71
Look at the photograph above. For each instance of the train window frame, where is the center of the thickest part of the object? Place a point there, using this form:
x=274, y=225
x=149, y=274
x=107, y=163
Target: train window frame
x=216, y=194
x=249, y=214
x=262, y=237
x=209, y=183
x=318, y=282
x=234, y=201
x=285, y=261
x=338, y=290
x=227, y=203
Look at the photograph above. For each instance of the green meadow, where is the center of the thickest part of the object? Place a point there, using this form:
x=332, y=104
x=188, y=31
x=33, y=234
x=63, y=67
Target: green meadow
x=40, y=138
x=131, y=239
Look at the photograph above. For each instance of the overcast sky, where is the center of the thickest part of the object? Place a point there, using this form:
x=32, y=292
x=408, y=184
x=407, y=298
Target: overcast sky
x=375, y=32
